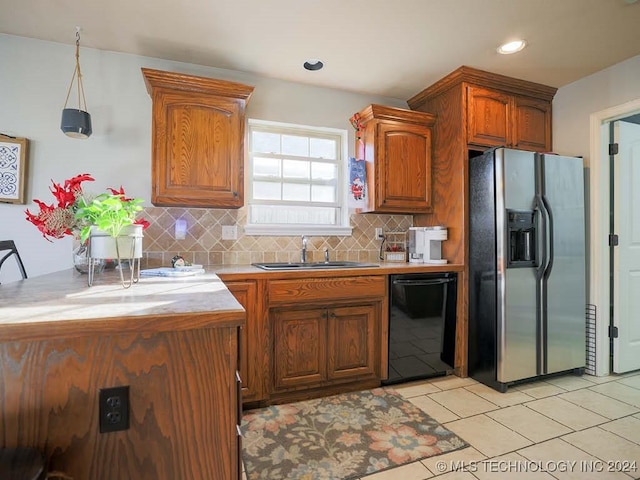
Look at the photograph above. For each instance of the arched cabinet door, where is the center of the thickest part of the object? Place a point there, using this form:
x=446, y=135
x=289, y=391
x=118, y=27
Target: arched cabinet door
x=397, y=146
x=197, y=140
x=488, y=117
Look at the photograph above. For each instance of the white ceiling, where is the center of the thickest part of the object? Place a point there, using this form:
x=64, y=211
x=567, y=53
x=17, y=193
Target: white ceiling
x=393, y=48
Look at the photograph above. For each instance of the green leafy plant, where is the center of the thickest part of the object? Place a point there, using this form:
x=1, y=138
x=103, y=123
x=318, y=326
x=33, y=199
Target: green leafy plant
x=110, y=212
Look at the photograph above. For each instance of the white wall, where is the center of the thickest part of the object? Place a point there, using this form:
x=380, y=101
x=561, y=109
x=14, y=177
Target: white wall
x=34, y=79
x=574, y=104
x=573, y=107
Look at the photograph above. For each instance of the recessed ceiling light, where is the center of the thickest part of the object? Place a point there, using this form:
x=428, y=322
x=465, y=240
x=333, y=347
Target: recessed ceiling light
x=313, y=64
x=512, y=47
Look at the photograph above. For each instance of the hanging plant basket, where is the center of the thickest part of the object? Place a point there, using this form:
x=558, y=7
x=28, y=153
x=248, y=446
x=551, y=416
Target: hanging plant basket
x=127, y=247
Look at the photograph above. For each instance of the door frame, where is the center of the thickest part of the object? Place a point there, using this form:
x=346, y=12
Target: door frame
x=599, y=227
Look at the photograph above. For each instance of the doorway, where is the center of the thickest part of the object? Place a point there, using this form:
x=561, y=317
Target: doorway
x=624, y=264
x=614, y=277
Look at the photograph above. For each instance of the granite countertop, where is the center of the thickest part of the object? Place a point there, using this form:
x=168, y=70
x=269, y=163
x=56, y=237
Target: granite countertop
x=244, y=272
x=61, y=305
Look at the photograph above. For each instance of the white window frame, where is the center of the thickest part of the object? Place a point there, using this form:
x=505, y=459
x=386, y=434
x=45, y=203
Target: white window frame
x=343, y=228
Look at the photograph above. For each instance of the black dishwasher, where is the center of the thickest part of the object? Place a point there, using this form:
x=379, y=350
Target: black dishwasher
x=422, y=325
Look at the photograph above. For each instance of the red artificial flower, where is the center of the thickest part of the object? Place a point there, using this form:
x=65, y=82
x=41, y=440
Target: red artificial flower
x=145, y=224
x=59, y=220
x=120, y=193
x=54, y=222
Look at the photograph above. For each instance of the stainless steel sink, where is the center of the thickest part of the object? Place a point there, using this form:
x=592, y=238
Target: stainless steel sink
x=312, y=265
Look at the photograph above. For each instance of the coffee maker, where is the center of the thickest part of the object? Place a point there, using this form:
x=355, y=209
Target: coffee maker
x=425, y=244
x=433, y=238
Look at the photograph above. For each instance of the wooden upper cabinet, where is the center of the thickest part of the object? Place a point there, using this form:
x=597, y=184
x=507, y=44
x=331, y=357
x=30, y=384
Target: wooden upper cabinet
x=495, y=118
x=396, y=145
x=197, y=140
x=489, y=119
x=531, y=124
x=493, y=110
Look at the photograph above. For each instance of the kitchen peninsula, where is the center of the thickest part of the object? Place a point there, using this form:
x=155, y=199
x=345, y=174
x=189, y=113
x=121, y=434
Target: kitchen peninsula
x=174, y=342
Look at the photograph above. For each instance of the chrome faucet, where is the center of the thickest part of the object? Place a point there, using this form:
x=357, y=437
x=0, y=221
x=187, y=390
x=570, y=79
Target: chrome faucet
x=303, y=253
x=326, y=254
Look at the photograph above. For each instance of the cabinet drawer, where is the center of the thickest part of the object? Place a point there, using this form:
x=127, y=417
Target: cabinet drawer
x=292, y=291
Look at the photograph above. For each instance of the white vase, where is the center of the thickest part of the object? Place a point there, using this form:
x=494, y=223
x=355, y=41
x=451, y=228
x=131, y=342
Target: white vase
x=127, y=245
x=126, y=249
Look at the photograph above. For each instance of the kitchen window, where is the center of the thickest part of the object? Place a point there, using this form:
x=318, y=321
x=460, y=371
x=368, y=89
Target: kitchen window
x=296, y=180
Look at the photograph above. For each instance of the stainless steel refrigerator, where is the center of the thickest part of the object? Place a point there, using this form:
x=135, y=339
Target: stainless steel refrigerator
x=527, y=293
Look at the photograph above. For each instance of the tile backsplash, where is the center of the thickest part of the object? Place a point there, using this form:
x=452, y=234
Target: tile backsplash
x=204, y=245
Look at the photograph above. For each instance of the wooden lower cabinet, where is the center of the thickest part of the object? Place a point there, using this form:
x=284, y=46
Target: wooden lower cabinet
x=326, y=333
x=322, y=346
x=299, y=348
x=351, y=341
x=251, y=338
x=310, y=337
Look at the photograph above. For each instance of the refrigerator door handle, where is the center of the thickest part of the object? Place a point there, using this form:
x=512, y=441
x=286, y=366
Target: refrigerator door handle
x=543, y=238
x=548, y=220
x=542, y=274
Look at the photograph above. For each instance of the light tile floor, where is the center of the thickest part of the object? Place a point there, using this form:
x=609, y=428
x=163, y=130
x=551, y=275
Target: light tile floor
x=564, y=427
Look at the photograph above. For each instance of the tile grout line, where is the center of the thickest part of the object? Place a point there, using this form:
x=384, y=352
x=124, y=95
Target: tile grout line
x=474, y=394
x=607, y=419
x=593, y=411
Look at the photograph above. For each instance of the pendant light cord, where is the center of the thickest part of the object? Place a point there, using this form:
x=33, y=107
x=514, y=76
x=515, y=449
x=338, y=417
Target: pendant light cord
x=77, y=72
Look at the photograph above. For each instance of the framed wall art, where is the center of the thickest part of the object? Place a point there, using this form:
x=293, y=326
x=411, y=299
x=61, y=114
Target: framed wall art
x=13, y=169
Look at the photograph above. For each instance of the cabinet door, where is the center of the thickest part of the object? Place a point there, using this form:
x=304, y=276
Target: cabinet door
x=488, y=117
x=531, y=124
x=403, y=168
x=352, y=345
x=251, y=344
x=299, y=347
x=197, y=150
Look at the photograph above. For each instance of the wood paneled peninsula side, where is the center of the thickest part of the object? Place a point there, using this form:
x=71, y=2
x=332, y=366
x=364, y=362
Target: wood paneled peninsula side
x=174, y=342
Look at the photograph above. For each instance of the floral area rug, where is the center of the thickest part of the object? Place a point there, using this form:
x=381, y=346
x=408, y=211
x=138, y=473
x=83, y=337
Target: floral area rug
x=340, y=437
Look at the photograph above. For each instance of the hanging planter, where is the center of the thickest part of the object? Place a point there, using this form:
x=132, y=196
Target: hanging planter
x=125, y=248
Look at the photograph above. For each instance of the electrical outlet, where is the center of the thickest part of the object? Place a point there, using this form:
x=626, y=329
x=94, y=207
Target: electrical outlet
x=229, y=232
x=114, y=409
x=379, y=233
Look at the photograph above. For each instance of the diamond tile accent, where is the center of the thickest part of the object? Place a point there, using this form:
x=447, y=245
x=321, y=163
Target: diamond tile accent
x=203, y=243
